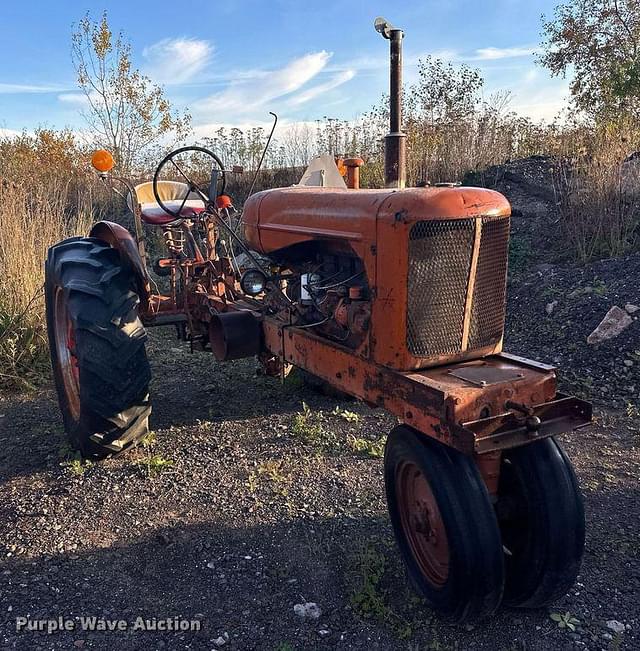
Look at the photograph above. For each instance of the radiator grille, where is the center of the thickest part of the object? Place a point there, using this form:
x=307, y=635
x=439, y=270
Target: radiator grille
x=439, y=262
x=487, y=309
x=440, y=254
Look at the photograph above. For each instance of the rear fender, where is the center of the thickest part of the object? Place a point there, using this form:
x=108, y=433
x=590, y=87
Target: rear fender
x=120, y=239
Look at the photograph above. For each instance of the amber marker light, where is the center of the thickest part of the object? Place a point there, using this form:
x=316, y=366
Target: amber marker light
x=103, y=161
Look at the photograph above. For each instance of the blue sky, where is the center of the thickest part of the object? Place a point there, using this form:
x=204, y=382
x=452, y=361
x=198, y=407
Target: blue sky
x=231, y=61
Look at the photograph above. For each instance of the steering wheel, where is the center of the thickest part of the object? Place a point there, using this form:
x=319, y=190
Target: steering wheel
x=217, y=174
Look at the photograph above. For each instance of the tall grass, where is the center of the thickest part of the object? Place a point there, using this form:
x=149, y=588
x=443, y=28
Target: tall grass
x=598, y=190
x=46, y=195
x=28, y=227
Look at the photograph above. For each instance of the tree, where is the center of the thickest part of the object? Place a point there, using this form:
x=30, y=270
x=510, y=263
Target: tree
x=127, y=113
x=598, y=41
x=445, y=94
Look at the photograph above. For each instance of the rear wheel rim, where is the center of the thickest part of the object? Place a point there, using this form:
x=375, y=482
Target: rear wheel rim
x=422, y=523
x=65, y=342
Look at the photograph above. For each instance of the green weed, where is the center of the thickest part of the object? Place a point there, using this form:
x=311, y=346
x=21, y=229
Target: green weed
x=73, y=462
x=284, y=646
x=368, y=597
x=149, y=440
x=349, y=416
x=272, y=471
x=616, y=642
x=305, y=425
x=154, y=465
x=565, y=620
x=520, y=253
x=373, y=449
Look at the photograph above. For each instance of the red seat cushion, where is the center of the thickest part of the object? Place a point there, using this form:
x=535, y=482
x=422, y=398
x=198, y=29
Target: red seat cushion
x=152, y=213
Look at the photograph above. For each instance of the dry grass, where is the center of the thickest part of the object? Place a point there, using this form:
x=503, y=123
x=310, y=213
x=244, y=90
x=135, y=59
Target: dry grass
x=598, y=192
x=47, y=194
x=29, y=225
x=600, y=215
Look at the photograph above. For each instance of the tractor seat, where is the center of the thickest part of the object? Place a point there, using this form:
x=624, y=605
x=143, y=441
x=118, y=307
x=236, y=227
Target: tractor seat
x=172, y=194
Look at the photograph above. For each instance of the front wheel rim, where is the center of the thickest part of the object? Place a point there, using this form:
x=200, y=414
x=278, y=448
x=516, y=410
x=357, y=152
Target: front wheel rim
x=65, y=343
x=422, y=523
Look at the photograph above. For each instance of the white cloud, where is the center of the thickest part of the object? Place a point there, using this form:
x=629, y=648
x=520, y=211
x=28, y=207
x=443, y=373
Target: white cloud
x=9, y=133
x=16, y=89
x=283, y=128
x=244, y=96
x=319, y=89
x=177, y=60
x=538, y=96
x=77, y=99
x=495, y=53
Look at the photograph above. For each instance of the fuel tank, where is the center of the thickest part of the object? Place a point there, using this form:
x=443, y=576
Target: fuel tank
x=282, y=217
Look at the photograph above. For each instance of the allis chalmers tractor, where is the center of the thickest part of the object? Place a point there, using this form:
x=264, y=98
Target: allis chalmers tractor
x=395, y=296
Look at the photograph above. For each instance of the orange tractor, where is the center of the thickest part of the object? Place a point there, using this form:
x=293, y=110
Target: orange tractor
x=395, y=296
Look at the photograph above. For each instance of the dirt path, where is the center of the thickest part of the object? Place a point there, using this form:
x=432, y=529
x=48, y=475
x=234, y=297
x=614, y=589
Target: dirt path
x=240, y=509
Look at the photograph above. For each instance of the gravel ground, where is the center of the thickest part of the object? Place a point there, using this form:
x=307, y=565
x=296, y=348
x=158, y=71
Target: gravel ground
x=239, y=508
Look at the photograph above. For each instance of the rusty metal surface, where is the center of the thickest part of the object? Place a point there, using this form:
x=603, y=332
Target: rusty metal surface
x=275, y=219
x=563, y=414
x=65, y=344
x=395, y=158
x=489, y=466
x=422, y=522
x=234, y=335
x=392, y=307
x=468, y=405
x=486, y=374
x=375, y=226
x=467, y=401
x=529, y=363
x=428, y=310
x=353, y=166
x=433, y=401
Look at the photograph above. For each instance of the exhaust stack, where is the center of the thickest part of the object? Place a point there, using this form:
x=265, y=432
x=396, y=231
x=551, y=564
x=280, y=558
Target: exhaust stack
x=395, y=153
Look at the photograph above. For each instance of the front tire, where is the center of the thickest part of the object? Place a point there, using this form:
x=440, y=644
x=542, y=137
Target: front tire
x=97, y=347
x=541, y=517
x=444, y=525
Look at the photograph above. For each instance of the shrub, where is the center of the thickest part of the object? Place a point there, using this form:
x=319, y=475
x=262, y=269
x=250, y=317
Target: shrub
x=598, y=194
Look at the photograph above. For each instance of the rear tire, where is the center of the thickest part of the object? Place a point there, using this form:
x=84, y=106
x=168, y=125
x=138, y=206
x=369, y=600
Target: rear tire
x=541, y=517
x=97, y=347
x=444, y=525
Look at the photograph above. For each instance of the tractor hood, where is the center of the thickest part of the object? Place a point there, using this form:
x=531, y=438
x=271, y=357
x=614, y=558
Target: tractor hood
x=282, y=217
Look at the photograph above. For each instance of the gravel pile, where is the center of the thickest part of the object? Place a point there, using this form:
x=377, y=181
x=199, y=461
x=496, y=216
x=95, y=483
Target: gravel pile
x=551, y=311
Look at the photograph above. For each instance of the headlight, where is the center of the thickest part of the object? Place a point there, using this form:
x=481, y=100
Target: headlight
x=253, y=281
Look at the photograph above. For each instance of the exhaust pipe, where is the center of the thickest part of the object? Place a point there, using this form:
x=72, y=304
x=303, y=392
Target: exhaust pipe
x=395, y=151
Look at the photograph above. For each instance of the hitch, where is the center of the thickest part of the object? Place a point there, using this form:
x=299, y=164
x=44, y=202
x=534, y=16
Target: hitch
x=563, y=414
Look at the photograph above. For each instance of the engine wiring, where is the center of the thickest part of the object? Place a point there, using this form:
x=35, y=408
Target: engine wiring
x=338, y=284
